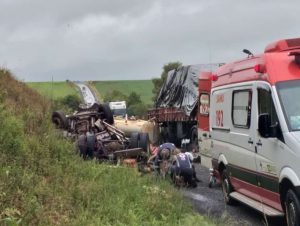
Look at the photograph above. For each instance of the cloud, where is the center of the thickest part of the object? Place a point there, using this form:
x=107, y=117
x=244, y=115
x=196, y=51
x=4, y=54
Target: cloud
x=101, y=40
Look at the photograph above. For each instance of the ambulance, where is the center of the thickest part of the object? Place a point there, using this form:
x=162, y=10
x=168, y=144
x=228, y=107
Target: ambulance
x=254, y=121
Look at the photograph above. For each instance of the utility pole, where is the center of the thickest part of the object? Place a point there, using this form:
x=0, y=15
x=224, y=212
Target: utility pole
x=52, y=101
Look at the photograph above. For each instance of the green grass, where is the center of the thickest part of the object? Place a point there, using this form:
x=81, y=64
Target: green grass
x=44, y=182
x=56, y=90
x=141, y=87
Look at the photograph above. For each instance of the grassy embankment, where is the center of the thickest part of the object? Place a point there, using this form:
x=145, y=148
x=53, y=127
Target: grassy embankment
x=43, y=181
x=141, y=87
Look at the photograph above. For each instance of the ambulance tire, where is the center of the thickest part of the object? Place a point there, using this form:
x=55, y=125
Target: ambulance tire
x=144, y=142
x=107, y=113
x=60, y=120
x=227, y=188
x=134, y=140
x=292, y=208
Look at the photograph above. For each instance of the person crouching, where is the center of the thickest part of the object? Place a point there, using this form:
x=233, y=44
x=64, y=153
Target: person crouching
x=182, y=167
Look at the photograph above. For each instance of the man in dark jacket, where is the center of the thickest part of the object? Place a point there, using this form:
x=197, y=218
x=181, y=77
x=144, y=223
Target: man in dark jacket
x=163, y=157
x=182, y=167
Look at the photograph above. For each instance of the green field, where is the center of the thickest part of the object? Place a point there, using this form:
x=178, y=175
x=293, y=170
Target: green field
x=141, y=87
x=62, y=89
x=54, y=90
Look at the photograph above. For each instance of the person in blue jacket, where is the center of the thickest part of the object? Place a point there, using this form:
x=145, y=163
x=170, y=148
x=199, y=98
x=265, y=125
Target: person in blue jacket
x=182, y=167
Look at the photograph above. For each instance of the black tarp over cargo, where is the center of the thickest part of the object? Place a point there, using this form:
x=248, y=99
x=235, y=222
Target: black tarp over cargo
x=180, y=89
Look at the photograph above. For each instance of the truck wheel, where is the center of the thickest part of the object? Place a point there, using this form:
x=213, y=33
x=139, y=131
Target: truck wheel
x=82, y=145
x=134, y=140
x=60, y=120
x=91, y=141
x=144, y=142
x=226, y=188
x=107, y=113
x=292, y=208
x=171, y=137
x=194, y=136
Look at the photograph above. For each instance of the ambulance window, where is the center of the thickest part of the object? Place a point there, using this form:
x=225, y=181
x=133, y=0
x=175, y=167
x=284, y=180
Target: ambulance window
x=266, y=105
x=241, y=108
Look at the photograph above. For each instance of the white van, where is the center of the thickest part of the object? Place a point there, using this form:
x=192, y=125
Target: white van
x=255, y=130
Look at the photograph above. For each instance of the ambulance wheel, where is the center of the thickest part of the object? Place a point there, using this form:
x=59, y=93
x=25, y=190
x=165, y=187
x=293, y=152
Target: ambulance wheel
x=107, y=113
x=144, y=142
x=292, y=208
x=134, y=140
x=226, y=188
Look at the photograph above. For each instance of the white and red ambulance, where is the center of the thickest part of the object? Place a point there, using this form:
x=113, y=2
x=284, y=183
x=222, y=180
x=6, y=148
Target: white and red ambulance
x=254, y=124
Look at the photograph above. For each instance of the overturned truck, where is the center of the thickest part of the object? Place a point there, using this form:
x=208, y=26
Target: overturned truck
x=98, y=138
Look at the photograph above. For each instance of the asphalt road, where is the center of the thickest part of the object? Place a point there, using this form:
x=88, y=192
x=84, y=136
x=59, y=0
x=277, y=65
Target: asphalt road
x=87, y=94
x=210, y=201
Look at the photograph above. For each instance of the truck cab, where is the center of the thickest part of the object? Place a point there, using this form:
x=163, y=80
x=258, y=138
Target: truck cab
x=118, y=108
x=254, y=123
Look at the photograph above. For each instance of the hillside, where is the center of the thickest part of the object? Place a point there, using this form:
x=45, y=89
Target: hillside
x=44, y=182
x=54, y=90
x=141, y=87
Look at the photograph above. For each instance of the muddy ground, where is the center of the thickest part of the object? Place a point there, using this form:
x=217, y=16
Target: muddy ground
x=210, y=201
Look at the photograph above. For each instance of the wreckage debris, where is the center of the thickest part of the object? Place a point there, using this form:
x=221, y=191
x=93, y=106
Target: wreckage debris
x=97, y=138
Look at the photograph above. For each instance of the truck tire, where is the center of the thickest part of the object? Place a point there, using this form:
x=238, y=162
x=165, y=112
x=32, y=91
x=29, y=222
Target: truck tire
x=144, y=142
x=171, y=136
x=292, y=208
x=60, y=120
x=194, y=136
x=91, y=141
x=227, y=188
x=107, y=113
x=134, y=140
x=82, y=145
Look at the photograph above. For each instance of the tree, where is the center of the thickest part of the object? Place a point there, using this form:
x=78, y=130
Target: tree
x=114, y=95
x=71, y=101
x=158, y=82
x=133, y=99
x=138, y=110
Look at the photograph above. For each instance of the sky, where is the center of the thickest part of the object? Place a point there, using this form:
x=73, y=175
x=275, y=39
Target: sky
x=133, y=39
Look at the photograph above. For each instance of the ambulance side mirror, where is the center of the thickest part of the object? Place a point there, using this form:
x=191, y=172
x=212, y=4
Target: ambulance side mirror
x=265, y=128
x=264, y=124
